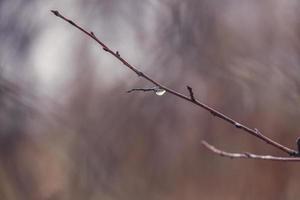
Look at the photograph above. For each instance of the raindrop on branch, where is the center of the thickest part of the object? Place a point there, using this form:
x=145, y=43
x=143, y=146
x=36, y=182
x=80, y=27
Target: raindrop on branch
x=160, y=92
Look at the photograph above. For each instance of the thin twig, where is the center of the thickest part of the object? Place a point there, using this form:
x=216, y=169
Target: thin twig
x=214, y=112
x=142, y=89
x=191, y=93
x=247, y=155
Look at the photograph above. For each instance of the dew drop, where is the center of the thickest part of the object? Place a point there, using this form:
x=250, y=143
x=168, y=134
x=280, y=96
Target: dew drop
x=160, y=92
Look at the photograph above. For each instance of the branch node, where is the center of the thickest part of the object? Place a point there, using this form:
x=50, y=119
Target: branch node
x=237, y=125
x=117, y=53
x=191, y=93
x=213, y=113
x=140, y=73
x=257, y=131
x=105, y=49
x=297, y=154
x=294, y=154
x=248, y=155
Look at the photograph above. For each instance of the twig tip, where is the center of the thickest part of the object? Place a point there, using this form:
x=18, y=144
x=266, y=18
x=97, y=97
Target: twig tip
x=55, y=12
x=204, y=143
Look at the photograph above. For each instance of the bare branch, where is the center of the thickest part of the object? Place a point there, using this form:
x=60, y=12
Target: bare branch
x=247, y=155
x=191, y=99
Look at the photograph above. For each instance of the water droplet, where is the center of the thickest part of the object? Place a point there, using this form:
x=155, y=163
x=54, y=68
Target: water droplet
x=160, y=92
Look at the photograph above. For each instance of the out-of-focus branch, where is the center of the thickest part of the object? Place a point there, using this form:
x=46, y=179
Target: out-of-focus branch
x=190, y=98
x=247, y=155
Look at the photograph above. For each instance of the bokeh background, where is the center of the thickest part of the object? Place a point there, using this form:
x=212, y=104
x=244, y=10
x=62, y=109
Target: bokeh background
x=69, y=130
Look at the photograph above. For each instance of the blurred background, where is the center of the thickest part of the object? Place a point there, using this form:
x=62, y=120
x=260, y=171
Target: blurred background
x=70, y=131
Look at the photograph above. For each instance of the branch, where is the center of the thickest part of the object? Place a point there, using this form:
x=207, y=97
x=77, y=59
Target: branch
x=247, y=155
x=253, y=132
